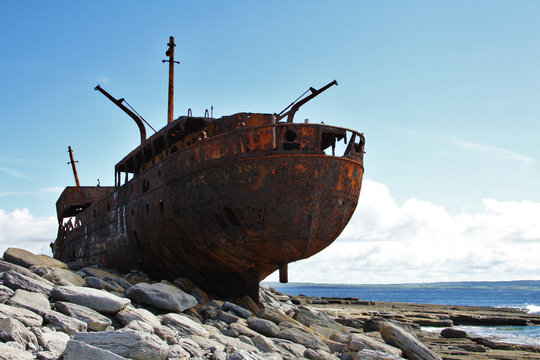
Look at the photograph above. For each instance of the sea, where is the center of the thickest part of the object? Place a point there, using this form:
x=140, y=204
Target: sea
x=513, y=294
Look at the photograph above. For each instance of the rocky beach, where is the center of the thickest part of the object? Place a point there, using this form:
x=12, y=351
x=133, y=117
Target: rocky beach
x=52, y=310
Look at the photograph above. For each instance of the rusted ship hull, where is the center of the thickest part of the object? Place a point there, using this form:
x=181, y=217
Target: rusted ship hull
x=225, y=212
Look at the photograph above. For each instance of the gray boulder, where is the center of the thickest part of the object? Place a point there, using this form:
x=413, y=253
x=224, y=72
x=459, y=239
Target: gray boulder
x=76, y=350
x=14, y=330
x=304, y=338
x=128, y=343
x=27, y=317
x=36, y=302
x=26, y=258
x=162, y=296
x=319, y=355
x=359, y=342
x=94, y=320
x=64, y=323
x=130, y=313
x=58, y=276
x=14, y=280
x=263, y=326
x=5, y=293
x=98, y=283
x=319, y=321
x=411, y=347
x=96, y=299
x=177, y=352
x=184, y=325
x=238, y=310
x=53, y=342
x=8, y=352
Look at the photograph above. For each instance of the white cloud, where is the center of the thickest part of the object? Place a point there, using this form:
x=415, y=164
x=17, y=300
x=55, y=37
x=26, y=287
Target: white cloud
x=421, y=242
x=21, y=229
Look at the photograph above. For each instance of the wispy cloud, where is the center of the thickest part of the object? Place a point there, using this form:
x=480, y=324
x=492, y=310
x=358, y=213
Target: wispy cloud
x=13, y=172
x=501, y=152
x=421, y=242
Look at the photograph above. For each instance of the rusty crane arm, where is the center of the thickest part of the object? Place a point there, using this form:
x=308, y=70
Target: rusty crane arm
x=118, y=103
x=295, y=105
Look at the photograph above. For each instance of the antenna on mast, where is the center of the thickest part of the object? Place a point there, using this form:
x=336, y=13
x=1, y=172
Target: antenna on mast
x=72, y=162
x=170, y=54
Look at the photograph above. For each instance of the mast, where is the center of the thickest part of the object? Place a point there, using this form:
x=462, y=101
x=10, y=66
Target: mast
x=170, y=54
x=72, y=162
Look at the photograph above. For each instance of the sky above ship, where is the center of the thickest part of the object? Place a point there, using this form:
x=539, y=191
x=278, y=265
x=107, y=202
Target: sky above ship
x=446, y=93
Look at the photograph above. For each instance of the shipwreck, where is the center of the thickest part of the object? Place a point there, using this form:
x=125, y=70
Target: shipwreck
x=222, y=201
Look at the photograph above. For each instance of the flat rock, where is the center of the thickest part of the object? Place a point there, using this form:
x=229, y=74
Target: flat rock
x=58, y=276
x=76, y=350
x=98, y=283
x=359, y=342
x=319, y=355
x=96, y=299
x=177, y=352
x=128, y=343
x=7, y=266
x=294, y=348
x=411, y=347
x=64, y=323
x=367, y=354
x=27, y=259
x=184, y=325
x=263, y=326
x=238, y=310
x=274, y=316
x=12, y=353
x=264, y=344
x=36, y=302
x=100, y=273
x=161, y=296
x=5, y=293
x=94, y=320
x=319, y=321
x=27, y=317
x=304, y=338
x=14, y=330
x=130, y=313
x=244, y=330
x=52, y=341
x=14, y=280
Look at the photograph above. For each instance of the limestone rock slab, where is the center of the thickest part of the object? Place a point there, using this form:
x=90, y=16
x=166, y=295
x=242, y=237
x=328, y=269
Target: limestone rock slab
x=94, y=320
x=128, y=343
x=263, y=326
x=161, y=296
x=36, y=302
x=14, y=330
x=76, y=350
x=96, y=299
x=26, y=258
x=27, y=317
x=411, y=347
x=64, y=323
x=5, y=293
x=11, y=353
x=14, y=280
x=184, y=325
x=129, y=313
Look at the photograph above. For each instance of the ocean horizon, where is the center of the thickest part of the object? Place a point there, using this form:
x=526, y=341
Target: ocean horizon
x=523, y=294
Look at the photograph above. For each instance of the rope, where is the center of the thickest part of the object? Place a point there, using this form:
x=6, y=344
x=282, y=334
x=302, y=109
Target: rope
x=135, y=111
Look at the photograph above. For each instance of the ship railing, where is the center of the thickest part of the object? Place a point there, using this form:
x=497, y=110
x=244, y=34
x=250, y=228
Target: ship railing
x=284, y=137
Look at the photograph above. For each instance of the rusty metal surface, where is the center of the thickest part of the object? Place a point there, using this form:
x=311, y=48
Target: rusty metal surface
x=224, y=210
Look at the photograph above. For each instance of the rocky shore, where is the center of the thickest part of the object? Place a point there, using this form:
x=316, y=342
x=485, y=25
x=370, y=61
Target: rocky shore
x=52, y=310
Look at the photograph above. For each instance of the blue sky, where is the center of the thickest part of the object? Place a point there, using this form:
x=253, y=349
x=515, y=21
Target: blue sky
x=446, y=92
